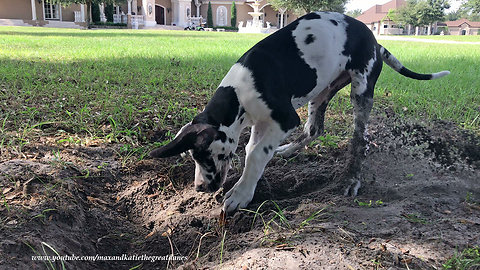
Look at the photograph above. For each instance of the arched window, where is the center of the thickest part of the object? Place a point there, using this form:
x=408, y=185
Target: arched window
x=222, y=16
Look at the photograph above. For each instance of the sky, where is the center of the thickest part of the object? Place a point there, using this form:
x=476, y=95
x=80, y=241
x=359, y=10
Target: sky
x=366, y=4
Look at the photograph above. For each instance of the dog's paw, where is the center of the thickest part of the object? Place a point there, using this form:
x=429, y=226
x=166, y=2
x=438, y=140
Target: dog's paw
x=235, y=199
x=352, y=187
x=286, y=150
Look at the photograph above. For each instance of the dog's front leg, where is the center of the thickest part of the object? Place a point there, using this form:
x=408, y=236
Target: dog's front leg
x=264, y=140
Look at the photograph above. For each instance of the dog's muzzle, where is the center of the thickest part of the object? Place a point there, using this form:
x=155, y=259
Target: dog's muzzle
x=208, y=188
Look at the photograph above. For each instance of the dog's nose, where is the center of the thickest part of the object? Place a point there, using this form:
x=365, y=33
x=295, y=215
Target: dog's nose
x=201, y=188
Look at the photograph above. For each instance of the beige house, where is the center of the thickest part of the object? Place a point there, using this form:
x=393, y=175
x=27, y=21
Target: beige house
x=377, y=20
x=143, y=13
x=41, y=13
x=463, y=27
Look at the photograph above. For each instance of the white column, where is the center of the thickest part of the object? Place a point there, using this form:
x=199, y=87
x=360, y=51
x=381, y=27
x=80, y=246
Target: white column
x=102, y=13
x=34, y=11
x=82, y=11
x=129, y=7
x=198, y=4
x=144, y=8
x=135, y=7
x=59, y=6
x=149, y=17
x=282, y=13
x=179, y=8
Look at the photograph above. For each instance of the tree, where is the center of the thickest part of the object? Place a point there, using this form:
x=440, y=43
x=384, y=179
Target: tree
x=470, y=9
x=209, y=16
x=421, y=12
x=453, y=16
x=406, y=14
x=306, y=6
x=233, y=15
x=95, y=13
x=354, y=13
x=472, y=5
x=109, y=12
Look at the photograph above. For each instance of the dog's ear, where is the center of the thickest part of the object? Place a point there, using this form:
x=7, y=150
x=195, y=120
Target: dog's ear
x=190, y=136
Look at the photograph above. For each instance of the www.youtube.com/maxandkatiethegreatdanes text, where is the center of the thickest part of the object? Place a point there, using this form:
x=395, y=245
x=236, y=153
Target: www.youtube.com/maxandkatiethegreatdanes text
x=123, y=257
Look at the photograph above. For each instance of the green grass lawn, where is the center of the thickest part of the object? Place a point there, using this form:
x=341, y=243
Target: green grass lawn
x=475, y=38
x=116, y=83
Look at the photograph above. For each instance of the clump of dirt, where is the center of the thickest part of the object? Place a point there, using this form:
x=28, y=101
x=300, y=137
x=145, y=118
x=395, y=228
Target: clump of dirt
x=419, y=203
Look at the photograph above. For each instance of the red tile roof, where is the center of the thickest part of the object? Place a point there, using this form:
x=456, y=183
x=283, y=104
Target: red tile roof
x=379, y=12
x=457, y=23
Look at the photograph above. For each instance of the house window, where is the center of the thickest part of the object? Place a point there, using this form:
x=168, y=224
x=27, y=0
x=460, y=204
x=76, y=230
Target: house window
x=51, y=11
x=385, y=26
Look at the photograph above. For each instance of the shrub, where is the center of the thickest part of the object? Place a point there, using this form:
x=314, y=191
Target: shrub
x=233, y=14
x=109, y=12
x=209, y=16
x=95, y=13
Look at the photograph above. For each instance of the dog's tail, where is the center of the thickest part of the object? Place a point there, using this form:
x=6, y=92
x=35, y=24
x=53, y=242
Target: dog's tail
x=393, y=62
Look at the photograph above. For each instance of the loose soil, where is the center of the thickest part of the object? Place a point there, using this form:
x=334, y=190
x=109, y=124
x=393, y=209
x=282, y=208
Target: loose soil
x=420, y=202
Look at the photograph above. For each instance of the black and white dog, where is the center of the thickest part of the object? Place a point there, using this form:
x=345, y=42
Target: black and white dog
x=309, y=60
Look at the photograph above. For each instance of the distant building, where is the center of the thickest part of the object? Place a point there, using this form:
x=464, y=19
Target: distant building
x=463, y=27
x=377, y=20
x=144, y=13
x=41, y=13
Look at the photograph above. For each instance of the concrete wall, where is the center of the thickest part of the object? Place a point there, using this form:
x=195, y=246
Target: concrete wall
x=16, y=9
x=457, y=31
x=149, y=16
x=67, y=12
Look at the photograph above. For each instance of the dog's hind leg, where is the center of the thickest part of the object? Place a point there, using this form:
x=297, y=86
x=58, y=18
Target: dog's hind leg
x=362, y=99
x=314, y=126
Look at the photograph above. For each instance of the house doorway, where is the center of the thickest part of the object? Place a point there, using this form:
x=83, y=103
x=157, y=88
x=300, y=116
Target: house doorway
x=464, y=32
x=160, y=14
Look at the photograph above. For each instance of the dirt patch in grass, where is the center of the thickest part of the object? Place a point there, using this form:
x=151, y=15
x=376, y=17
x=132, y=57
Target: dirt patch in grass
x=420, y=202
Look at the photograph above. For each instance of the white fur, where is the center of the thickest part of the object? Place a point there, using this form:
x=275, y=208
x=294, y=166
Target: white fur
x=324, y=54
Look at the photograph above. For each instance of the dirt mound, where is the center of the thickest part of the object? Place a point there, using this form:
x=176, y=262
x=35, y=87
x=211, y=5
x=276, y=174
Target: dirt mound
x=420, y=202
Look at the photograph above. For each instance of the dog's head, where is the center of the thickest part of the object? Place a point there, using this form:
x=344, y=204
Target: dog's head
x=208, y=148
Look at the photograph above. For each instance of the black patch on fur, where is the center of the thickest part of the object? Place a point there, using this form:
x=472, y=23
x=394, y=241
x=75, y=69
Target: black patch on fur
x=373, y=76
x=215, y=184
x=334, y=22
x=270, y=147
x=230, y=140
x=221, y=157
x=310, y=39
x=311, y=16
x=265, y=149
x=360, y=45
x=209, y=177
x=242, y=112
x=308, y=28
x=410, y=74
x=386, y=53
x=204, y=158
x=221, y=136
x=280, y=74
x=222, y=109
